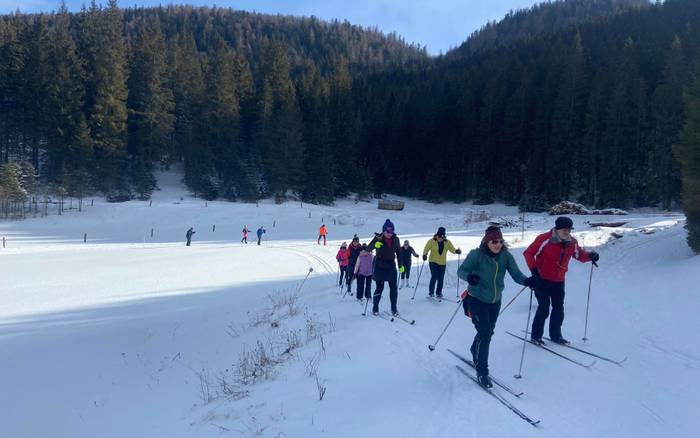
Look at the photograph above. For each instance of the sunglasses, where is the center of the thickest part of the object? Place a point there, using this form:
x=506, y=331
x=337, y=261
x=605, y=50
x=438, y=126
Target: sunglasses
x=389, y=230
x=498, y=242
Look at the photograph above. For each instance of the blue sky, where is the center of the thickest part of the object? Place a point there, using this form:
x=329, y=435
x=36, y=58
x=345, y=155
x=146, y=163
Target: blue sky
x=439, y=24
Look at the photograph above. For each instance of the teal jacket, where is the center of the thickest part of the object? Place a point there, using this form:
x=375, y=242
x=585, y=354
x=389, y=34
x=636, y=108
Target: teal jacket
x=492, y=271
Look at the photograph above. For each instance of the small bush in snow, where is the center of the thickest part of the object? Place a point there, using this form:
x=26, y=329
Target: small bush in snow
x=255, y=365
x=568, y=207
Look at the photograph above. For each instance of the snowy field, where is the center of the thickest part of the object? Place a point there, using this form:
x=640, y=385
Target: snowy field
x=130, y=335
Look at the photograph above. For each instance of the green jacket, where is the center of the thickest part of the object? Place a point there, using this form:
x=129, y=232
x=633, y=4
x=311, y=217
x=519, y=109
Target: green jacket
x=435, y=257
x=492, y=271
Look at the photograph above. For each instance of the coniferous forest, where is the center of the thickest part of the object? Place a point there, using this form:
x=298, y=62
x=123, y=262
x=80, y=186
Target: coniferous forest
x=587, y=100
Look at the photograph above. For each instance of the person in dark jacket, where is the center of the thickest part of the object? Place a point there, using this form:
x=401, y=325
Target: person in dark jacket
x=245, y=234
x=548, y=259
x=484, y=269
x=387, y=248
x=260, y=233
x=354, y=249
x=408, y=252
x=188, y=235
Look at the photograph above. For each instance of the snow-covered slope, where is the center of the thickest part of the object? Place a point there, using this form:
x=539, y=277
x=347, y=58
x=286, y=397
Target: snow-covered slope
x=140, y=336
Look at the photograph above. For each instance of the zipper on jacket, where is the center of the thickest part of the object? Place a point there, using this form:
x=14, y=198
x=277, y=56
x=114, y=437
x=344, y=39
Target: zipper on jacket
x=494, y=281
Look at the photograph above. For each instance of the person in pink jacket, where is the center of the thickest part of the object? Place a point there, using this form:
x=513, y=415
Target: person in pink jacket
x=343, y=258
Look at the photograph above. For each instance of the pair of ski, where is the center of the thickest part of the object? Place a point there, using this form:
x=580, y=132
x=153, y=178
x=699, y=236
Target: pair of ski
x=493, y=393
x=391, y=318
x=571, y=347
x=441, y=299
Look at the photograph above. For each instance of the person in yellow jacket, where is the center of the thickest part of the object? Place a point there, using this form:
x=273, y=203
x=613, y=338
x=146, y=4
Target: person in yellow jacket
x=438, y=247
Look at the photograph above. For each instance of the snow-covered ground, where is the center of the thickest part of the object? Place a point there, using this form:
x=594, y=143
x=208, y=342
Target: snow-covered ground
x=130, y=335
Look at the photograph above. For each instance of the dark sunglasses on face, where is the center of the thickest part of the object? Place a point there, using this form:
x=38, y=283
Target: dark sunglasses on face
x=389, y=230
x=497, y=242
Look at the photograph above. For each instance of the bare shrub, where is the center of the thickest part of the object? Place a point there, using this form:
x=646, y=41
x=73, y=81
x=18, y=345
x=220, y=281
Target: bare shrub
x=254, y=365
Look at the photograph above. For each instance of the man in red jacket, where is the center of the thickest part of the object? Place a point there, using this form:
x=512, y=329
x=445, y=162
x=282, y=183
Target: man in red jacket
x=548, y=259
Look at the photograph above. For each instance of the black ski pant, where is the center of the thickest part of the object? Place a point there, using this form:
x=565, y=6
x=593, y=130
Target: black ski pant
x=318, y=241
x=259, y=238
x=381, y=276
x=342, y=273
x=244, y=239
x=484, y=316
x=549, y=292
x=437, y=275
x=350, y=275
x=407, y=272
x=189, y=241
x=364, y=286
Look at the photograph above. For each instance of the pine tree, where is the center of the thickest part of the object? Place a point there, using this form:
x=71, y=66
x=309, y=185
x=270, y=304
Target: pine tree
x=107, y=92
x=63, y=77
x=278, y=131
x=687, y=152
x=222, y=117
x=187, y=82
x=668, y=121
x=344, y=129
x=150, y=106
x=319, y=182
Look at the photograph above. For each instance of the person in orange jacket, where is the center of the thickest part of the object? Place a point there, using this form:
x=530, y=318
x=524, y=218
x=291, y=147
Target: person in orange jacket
x=322, y=233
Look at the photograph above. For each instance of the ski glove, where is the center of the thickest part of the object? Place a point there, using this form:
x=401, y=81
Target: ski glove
x=378, y=245
x=458, y=251
x=473, y=279
x=536, y=275
x=530, y=282
x=594, y=256
x=465, y=306
x=402, y=269
x=425, y=257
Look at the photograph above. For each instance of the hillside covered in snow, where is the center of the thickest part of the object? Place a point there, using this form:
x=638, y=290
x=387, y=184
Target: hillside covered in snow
x=135, y=334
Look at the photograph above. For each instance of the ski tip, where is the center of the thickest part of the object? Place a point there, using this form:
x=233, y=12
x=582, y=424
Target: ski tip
x=431, y=347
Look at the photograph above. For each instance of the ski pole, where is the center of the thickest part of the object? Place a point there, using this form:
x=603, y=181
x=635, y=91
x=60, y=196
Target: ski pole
x=307, y=276
x=418, y=281
x=366, y=303
x=527, y=326
x=588, y=302
x=511, y=301
x=459, y=256
x=432, y=346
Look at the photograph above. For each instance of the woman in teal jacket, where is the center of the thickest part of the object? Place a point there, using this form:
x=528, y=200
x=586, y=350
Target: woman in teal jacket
x=484, y=269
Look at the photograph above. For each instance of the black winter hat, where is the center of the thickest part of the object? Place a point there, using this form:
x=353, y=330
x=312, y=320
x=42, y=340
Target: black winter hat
x=388, y=225
x=440, y=232
x=563, y=222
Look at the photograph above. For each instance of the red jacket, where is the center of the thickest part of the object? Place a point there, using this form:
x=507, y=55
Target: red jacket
x=343, y=257
x=551, y=256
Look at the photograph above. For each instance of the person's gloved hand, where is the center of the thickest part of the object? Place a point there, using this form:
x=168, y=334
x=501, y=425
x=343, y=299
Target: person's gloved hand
x=473, y=279
x=465, y=305
x=594, y=256
x=459, y=251
x=425, y=257
x=402, y=269
x=530, y=282
x=378, y=245
x=535, y=275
